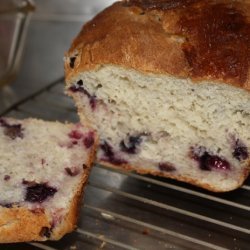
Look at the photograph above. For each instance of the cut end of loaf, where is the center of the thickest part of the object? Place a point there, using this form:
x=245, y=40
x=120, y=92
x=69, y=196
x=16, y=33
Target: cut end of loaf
x=167, y=126
x=43, y=170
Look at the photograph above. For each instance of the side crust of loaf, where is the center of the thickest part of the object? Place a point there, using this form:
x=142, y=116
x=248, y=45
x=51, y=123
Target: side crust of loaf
x=19, y=224
x=181, y=178
x=167, y=38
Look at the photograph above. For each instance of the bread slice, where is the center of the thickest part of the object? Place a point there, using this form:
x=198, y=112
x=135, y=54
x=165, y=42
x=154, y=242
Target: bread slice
x=44, y=168
x=167, y=86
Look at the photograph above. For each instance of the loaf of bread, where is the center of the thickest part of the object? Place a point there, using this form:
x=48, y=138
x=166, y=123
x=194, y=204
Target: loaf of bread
x=166, y=84
x=44, y=167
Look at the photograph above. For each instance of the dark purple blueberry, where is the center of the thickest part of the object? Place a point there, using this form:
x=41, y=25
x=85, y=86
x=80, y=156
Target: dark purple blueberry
x=166, y=167
x=72, y=62
x=6, y=177
x=39, y=192
x=107, y=149
x=110, y=156
x=78, y=87
x=130, y=145
x=72, y=171
x=75, y=135
x=240, y=151
x=208, y=161
x=45, y=232
x=89, y=140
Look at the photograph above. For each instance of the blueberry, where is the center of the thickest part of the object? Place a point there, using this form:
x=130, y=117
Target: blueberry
x=131, y=144
x=240, y=151
x=89, y=140
x=75, y=135
x=39, y=192
x=166, y=167
x=110, y=155
x=78, y=87
x=107, y=149
x=209, y=161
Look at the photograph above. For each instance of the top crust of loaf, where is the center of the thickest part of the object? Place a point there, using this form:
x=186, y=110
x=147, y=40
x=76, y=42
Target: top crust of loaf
x=197, y=39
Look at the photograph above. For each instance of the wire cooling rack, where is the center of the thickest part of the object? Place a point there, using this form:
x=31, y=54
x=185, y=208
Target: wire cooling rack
x=128, y=211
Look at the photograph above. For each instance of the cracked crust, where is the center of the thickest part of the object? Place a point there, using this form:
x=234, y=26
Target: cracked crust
x=165, y=37
x=18, y=224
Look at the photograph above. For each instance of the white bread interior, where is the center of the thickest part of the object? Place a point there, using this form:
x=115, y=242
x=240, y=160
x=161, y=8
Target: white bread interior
x=174, y=115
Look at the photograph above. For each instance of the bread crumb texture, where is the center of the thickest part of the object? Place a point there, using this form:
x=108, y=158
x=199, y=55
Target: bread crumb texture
x=43, y=168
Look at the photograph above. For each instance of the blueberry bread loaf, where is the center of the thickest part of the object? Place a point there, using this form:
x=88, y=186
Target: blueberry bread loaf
x=44, y=167
x=167, y=86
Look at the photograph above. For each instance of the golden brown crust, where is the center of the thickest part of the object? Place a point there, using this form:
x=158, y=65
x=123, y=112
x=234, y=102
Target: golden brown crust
x=195, y=182
x=20, y=224
x=201, y=40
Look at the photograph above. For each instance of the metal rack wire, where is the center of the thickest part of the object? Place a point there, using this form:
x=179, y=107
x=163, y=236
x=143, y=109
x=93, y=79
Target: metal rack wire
x=128, y=211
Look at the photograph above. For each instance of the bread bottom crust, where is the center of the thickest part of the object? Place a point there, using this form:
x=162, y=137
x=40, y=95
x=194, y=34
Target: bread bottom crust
x=179, y=177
